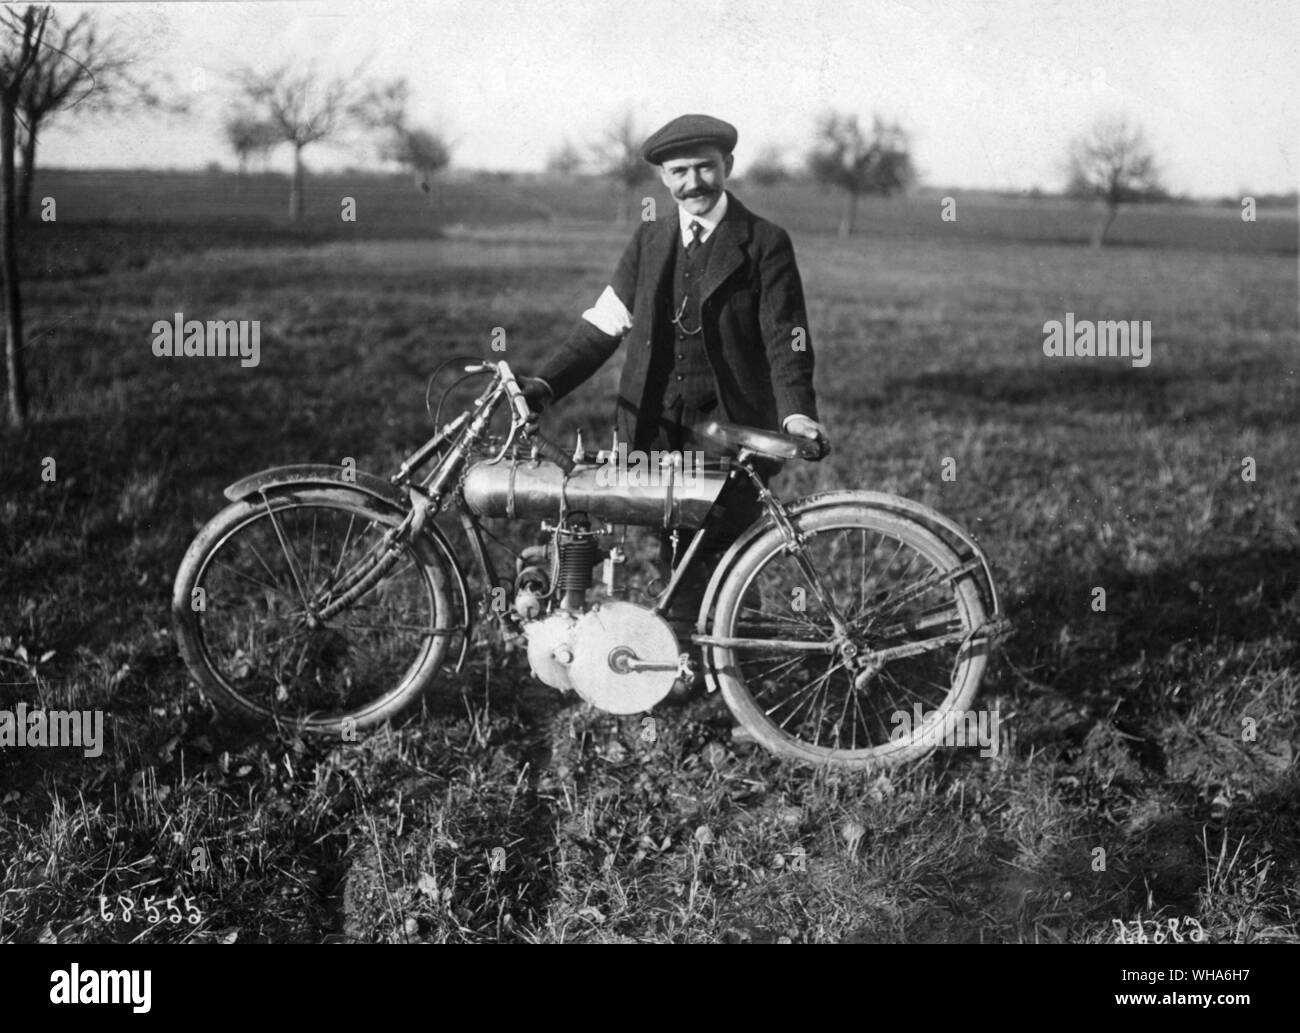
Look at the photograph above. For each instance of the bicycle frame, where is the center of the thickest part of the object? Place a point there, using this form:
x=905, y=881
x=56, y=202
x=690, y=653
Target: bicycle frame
x=454, y=444
x=458, y=441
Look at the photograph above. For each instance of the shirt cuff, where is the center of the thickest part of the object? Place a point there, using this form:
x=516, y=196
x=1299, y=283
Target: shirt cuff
x=794, y=415
x=609, y=315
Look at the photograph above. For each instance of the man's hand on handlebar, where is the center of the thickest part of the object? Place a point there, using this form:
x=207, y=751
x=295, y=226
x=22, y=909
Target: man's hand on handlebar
x=537, y=392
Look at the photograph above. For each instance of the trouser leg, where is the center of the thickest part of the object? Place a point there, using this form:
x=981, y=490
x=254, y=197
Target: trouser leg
x=738, y=506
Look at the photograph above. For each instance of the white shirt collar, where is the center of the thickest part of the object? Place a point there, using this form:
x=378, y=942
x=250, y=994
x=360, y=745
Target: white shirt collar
x=709, y=220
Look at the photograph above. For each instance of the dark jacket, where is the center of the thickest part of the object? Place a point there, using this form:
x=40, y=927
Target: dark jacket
x=752, y=311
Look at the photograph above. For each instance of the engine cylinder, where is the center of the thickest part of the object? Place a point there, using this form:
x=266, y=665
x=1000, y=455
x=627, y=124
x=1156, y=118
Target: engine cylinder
x=578, y=554
x=577, y=557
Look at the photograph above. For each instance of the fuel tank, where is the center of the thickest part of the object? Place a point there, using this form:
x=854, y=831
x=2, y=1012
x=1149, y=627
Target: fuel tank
x=659, y=491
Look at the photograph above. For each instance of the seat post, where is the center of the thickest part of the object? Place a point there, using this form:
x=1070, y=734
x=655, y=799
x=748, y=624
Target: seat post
x=770, y=502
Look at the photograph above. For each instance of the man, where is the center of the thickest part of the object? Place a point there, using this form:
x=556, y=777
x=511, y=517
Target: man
x=710, y=308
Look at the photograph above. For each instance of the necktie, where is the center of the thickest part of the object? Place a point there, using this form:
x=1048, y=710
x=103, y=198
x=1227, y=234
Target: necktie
x=697, y=229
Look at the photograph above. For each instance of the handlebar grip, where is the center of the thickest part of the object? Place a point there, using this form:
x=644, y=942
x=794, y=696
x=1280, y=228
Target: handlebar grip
x=550, y=450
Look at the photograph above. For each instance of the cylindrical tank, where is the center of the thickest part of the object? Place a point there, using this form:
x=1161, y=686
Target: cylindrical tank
x=650, y=494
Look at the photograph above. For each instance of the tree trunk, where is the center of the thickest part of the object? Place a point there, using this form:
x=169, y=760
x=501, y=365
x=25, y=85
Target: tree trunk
x=849, y=220
x=28, y=174
x=295, y=192
x=1103, y=225
x=16, y=388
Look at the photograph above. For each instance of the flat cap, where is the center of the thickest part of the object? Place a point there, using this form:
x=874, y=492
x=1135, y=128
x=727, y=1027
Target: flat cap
x=689, y=131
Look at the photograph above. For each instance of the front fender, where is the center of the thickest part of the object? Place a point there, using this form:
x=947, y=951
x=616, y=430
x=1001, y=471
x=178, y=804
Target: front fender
x=965, y=545
x=324, y=475
x=317, y=474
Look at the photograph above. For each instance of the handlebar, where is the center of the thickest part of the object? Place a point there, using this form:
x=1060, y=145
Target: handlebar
x=524, y=414
x=507, y=377
x=514, y=391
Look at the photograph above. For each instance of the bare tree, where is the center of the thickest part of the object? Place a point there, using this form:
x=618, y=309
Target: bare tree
x=421, y=151
x=249, y=138
x=20, y=41
x=617, y=155
x=304, y=108
x=768, y=168
x=848, y=157
x=566, y=160
x=1112, y=163
x=79, y=66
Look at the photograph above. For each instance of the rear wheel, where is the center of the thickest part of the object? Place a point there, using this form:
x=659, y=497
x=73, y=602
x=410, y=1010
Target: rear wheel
x=296, y=609
x=886, y=685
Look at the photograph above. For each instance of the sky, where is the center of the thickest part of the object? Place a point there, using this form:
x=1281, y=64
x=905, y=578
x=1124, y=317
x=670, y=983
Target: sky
x=991, y=91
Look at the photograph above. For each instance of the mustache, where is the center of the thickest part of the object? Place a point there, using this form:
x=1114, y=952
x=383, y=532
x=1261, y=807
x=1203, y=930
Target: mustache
x=697, y=193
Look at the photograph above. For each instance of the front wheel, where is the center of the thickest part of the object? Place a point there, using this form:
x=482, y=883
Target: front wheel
x=863, y=646
x=298, y=607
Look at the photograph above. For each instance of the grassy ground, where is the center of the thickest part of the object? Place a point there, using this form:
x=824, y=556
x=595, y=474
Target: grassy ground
x=1075, y=475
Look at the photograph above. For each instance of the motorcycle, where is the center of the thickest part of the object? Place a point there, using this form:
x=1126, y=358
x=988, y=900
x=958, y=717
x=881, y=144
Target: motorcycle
x=328, y=599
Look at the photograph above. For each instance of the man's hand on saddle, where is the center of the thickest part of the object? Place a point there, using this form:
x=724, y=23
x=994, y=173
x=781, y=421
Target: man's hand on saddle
x=803, y=427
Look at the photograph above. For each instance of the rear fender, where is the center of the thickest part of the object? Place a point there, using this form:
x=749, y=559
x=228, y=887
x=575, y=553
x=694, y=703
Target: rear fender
x=323, y=475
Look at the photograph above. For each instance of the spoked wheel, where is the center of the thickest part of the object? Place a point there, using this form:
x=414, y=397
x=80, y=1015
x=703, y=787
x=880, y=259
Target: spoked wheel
x=293, y=608
x=840, y=678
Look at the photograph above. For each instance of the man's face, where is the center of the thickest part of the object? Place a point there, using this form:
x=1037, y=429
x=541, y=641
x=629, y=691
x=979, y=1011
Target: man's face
x=696, y=179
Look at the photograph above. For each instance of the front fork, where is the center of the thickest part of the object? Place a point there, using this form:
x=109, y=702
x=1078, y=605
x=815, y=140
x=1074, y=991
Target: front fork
x=373, y=567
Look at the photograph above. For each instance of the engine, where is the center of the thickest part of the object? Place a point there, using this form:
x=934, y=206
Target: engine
x=618, y=656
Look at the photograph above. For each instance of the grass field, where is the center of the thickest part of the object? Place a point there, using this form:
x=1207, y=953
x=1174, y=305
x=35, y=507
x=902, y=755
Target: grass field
x=1074, y=473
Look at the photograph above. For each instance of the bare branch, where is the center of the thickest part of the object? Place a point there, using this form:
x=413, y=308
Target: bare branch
x=1113, y=162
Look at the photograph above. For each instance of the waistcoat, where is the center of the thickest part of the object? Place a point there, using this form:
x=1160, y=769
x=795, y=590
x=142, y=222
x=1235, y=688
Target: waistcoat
x=680, y=362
